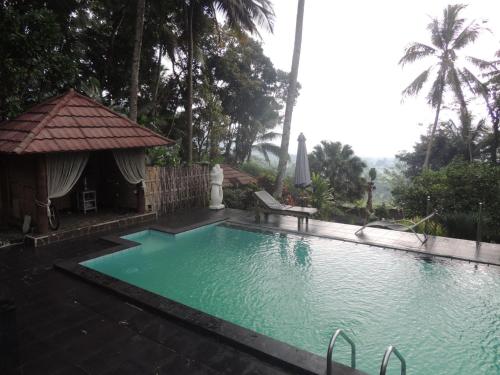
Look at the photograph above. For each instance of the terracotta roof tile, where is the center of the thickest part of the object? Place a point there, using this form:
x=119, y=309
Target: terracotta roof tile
x=29, y=116
x=62, y=121
x=73, y=122
x=235, y=177
x=24, y=126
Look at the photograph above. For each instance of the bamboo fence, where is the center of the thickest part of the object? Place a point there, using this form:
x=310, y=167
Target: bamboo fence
x=171, y=188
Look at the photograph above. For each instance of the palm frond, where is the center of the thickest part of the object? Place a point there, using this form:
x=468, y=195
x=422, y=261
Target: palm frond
x=266, y=148
x=269, y=136
x=452, y=25
x=417, y=84
x=468, y=35
x=454, y=82
x=247, y=14
x=482, y=64
x=416, y=51
x=475, y=85
x=436, y=37
x=435, y=95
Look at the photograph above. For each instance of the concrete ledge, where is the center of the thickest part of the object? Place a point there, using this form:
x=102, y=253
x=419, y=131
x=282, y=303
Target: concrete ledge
x=84, y=230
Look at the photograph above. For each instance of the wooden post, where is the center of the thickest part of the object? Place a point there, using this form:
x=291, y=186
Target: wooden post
x=141, y=201
x=42, y=221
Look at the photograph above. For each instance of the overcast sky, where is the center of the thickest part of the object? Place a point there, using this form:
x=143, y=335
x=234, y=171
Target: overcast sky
x=349, y=72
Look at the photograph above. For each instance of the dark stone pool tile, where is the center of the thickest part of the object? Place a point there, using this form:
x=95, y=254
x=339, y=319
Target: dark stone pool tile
x=178, y=365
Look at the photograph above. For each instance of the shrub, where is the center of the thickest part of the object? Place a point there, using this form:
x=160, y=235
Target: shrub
x=240, y=198
x=456, y=191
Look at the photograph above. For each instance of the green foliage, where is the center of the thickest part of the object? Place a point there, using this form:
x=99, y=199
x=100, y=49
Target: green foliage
x=38, y=54
x=455, y=191
x=237, y=93
x=322, y=196
x=165, y=156
x=431, y=227
x=240, y=198
x=256, y=169
x=373, y=174
x=341, y=167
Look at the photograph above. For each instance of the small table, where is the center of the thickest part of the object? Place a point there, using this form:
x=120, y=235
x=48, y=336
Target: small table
x=87, y=201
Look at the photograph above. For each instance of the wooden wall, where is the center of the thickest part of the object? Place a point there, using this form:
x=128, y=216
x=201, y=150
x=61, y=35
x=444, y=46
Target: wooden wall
x=21, y=187
x=172, y=188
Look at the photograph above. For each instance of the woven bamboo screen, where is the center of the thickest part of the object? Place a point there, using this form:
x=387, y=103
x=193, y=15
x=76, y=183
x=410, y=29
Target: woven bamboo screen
x=172, y=188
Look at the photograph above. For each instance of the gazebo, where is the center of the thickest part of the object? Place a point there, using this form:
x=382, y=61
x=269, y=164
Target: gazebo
x=75, y=154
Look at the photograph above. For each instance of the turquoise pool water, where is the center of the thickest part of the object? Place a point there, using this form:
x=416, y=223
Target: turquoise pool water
x=443, y=315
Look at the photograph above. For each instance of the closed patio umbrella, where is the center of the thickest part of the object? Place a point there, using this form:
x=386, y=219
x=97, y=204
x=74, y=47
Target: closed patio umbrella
x=302, y=173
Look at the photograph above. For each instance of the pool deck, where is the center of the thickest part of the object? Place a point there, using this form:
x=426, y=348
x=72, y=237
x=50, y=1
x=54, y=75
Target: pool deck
x=64, y=325
x=487, y=253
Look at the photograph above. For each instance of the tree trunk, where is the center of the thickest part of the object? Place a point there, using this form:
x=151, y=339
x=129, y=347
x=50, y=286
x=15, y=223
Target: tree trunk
x=290, y=101
x=157, y=83
x=189, y=88
x=136, y=59
x=431, y=137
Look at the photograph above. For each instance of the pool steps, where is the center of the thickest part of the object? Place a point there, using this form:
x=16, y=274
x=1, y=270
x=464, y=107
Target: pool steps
x=385, y=361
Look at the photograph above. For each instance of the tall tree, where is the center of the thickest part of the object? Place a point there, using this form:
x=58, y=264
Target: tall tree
x=244, y=15
x=448, y=35
x=136, y=58
x=290, y=102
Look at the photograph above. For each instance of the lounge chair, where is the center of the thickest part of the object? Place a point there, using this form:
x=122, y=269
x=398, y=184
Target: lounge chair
x=398, y=225
x=266, y=204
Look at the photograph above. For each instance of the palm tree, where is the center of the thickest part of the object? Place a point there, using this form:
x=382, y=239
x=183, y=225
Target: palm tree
x=343, y=169
x=136, y=58
x=290, y=101
x=244, y=15
x=489, y=90
x=448, y=35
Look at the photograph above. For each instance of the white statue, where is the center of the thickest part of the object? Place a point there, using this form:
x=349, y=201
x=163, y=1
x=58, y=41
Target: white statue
x=216, y=178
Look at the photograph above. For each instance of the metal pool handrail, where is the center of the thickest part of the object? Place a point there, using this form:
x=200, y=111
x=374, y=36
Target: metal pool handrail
x=338, y=333
x=391, y=349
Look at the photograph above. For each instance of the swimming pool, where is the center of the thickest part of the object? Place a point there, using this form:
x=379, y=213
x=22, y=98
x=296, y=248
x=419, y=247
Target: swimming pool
x=443, y=315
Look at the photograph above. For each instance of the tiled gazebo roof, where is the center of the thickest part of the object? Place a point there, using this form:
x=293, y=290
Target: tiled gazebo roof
x=73, y=122
x=235, y=177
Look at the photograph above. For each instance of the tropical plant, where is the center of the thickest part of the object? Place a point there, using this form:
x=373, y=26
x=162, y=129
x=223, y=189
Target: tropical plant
x=456, y=191
x=322, y=195
x=341, y=167
x=448, y=36
x=240, y=14
x=290, y=101
x=466, y=139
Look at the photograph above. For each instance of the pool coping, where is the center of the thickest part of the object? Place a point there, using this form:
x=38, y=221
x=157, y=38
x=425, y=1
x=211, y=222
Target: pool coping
x=262, y=346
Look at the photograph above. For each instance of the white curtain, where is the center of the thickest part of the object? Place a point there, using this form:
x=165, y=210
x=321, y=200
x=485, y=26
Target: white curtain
x=63, y=172
x=132, y=165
